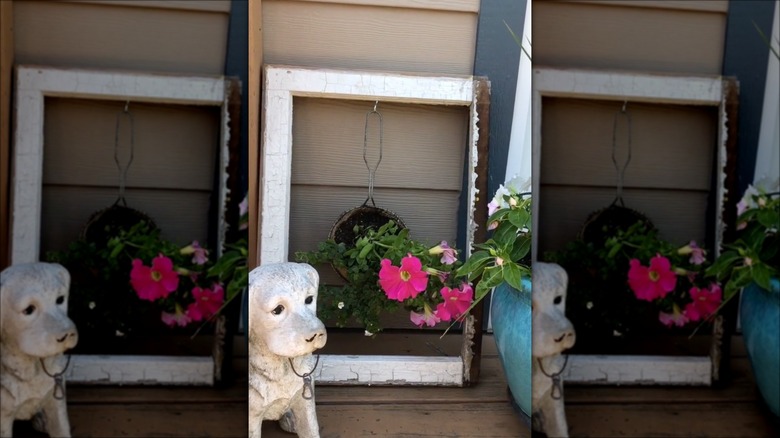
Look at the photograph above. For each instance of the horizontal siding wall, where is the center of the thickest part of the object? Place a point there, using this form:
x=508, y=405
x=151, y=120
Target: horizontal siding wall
x=172, y=175
x=669, y=178
x=421, y=173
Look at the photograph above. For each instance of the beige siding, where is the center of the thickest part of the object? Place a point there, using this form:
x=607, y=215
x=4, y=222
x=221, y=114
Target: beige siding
x=670, y=175
x=172, y=175
x=623, y=37
x=170, y=178
x=119, y=37
x=314, y=34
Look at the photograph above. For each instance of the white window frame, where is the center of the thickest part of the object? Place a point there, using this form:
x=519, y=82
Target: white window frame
x=33, y=85
x=281, y=85
x=634, y=87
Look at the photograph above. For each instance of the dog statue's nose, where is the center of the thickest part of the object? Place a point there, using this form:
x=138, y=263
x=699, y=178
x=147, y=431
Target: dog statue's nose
x=315, y=336
x=564, y=336
x=66, y=336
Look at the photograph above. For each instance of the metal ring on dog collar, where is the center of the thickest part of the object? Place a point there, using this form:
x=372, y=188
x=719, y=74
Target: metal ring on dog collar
x=308, y=389
x=59, y=385
x=557, y=390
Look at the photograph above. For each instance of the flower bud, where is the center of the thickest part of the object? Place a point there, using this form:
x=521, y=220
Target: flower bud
x=436, y=250
x=685, y=250
x=187, y=250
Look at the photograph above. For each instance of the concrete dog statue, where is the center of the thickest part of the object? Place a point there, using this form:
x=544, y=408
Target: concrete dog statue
x=35, y=331
x=283, y=332
x=552, y=334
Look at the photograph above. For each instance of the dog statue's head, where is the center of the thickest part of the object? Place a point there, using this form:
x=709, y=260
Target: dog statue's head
x=34, y=310
x=552, y=331
x=283, y=310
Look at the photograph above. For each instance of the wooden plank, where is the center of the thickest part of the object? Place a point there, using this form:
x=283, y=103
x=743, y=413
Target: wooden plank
x=174, y=146
x=179, y=214
x=670, y=419
x=182, y=419
x=423, y=145
x=436, y=5
x=642, y=39
x=720, y=6
x=255, y=111
x=135, y=38
x=350, y=36
x=484, y=420
x=671, y=146
x=34, y=83
x=141, y=370
x=638, y=370
x=186, y=5
x=6, y=68
x=380, y=370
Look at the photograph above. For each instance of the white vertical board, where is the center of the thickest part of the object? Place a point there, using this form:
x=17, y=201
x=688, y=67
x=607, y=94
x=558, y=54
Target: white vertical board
x=34, y=84
x=281, y=85
x=632, y=87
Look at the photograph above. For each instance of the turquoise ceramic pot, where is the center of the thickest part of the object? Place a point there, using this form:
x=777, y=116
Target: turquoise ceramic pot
x=511, y=317
x=760, y=317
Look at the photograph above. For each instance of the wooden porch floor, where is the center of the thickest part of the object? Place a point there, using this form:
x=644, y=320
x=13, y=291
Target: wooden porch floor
x=479, y=411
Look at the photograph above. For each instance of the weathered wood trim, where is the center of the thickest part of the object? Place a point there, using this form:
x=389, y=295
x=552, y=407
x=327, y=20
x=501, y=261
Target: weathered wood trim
x=638, y=370
x=436, y=5
x=389, y=370
x=719, y=6
x=140, y=370
x=222, y=6
x=6, y=69
x=34, y=83
x=281, y=84
x=255, y=114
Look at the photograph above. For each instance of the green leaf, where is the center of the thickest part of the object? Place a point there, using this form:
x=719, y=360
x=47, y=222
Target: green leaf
x=513, y=274
x=475, y=263
x=519, y=218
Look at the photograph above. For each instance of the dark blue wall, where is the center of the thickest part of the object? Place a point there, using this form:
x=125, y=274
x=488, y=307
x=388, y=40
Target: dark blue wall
x=746, y=56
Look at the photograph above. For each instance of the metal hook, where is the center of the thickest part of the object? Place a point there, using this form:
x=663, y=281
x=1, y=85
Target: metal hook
x=625, y=102
x=127, y=104
x=375, y=105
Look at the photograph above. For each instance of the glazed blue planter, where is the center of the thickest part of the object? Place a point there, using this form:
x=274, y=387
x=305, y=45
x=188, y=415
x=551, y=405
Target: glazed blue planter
x=760, y=317
x=511, y=316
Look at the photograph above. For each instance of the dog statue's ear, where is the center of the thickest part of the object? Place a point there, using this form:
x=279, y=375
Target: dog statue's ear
x=312, y=275
x=61, y=274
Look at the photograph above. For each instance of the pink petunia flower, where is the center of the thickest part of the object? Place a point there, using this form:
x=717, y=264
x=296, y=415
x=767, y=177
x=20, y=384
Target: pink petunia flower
x=448, y=255
x=177, y=318
x=704, y=302
x=207, y=302
x=493, y=207
x=456, y=302
x=406, y=281
x=697, y=254
x=655, y=281
x=243, y=208
x=157, y=281
x=200, y=256
x=427, y=317
x=677, y=317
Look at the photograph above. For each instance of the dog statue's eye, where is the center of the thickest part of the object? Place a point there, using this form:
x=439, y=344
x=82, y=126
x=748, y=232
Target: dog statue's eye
x=309, y=299
x=558, y=299
x=60, y=299
x=278, y=310
x=29, y=310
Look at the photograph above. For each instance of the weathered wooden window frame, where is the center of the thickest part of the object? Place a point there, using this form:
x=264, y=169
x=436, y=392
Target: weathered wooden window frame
x=33, y=85
x=661, y=89
x=281, y=85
